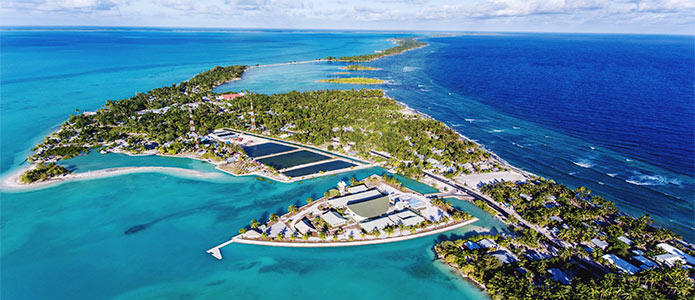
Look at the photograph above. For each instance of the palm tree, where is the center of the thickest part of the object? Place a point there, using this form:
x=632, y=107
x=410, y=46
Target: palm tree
x=273, y=217
x=292, y=208
x=254, y=224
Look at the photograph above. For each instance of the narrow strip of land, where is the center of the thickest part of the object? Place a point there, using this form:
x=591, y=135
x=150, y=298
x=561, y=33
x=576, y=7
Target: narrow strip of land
x=215, y=251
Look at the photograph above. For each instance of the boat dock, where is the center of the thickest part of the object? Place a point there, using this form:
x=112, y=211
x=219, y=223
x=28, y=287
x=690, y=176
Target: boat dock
x=215, y=251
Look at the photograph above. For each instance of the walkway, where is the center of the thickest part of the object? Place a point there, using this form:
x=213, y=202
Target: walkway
x=308, y=164
x=301, y=244
x=501, y=209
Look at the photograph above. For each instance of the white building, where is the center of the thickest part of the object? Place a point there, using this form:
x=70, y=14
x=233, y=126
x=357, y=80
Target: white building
x=599, y=243
x=504, y=256
x=625, y=240
x=407, y=218
x=224, y=135
x=303, y=226
x=675, y=251
x=357, y=189
x=621, y=264
x=342, y=201
x=378, y=223
x=669, y=259
x=487, y=243
x=559, y=276
x=334, y=219
x=471, y=245
x=645, y=262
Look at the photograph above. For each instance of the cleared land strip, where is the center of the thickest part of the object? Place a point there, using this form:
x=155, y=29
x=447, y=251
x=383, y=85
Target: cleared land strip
x=306, y=147
x=278, y=153
x=308, y=164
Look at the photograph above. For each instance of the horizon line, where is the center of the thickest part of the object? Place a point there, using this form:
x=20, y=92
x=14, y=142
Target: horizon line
x=204, y=28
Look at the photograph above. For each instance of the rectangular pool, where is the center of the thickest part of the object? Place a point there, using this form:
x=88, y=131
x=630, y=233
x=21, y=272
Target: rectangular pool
x=266, y=149
x=293, y=159
x=328, y=166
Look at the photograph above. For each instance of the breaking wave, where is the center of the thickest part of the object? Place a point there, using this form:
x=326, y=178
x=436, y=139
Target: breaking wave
x=652, y=180
x=583, y=163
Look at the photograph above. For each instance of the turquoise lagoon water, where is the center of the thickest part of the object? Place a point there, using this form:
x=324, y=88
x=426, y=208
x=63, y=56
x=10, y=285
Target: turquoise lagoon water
x=69, y=241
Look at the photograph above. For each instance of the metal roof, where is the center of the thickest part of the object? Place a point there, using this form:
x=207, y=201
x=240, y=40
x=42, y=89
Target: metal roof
x=370, y=208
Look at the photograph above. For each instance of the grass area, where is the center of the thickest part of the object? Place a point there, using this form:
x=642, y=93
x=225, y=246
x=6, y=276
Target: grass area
x=359, y=68
x=354, y=80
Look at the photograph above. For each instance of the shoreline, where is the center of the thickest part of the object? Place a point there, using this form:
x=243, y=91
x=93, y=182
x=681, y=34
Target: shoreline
x=302, y=244
x=409, y=110
x=12, y=181
x=16, y=185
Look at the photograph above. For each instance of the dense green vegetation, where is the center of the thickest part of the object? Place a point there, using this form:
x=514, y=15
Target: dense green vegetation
x=585, y=215
x=403, y=45
x=354, y=80
x=359, y=120
x=577, y=217
x=359, y=68
x=529, y=279
x=355, y=120
x=43, y=172
x=134, y=124
x=363, y=120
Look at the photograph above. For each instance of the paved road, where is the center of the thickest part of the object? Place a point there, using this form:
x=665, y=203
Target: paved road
x=500, y=208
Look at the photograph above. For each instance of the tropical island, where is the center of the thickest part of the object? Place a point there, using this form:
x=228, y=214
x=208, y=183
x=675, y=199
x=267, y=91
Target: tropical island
x=563, y=243
x=354, y=80
x=359, y=68
x=404, y=44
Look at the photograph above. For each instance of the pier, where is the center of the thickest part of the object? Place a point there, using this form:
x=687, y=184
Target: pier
x=215, y=251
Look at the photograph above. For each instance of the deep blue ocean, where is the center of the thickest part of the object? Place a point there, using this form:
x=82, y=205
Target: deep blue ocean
x=614, y=113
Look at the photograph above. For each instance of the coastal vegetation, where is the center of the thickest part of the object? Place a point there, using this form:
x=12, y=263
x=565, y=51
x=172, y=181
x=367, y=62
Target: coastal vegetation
x=350, y=121
x=578, y=215
x=404, y=44
x=359, y=68
x=589, y=229
x=354, y=80
x=43, y=172
x=532, y=278
x=158, y=118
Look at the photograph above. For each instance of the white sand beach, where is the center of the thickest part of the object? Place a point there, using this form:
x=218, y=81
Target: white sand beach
x=473, y=180
x=12, y=182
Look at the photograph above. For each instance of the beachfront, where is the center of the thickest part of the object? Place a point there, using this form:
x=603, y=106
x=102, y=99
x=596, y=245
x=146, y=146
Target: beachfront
x=378, y=209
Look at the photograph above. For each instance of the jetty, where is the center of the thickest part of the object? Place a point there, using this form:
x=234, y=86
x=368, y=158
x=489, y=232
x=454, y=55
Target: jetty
x=215, y=251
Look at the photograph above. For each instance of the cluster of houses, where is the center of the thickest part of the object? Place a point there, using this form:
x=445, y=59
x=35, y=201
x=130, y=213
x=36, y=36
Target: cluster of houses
x=373, y=208
x=638, y=261
x=628, y=265
x=359, y=208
